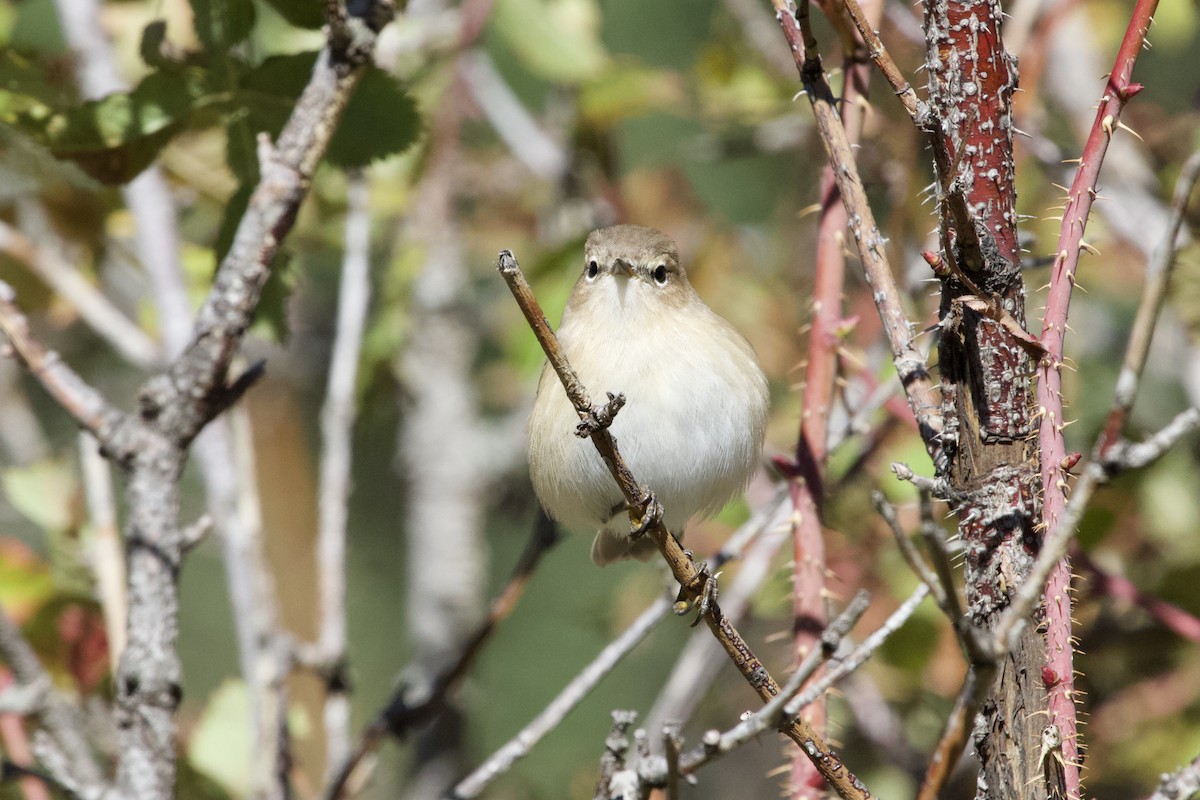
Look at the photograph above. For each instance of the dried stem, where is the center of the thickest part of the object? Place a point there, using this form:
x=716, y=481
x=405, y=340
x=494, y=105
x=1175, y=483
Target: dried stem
x=337, y=423
x=692, y=579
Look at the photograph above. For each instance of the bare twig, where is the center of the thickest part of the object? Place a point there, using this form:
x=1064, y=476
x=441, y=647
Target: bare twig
x=807, y=476
x=912, y=557
x=778, y=710
x=580, y=686
x=671, y=750
x=1057, y=542
x=838, y=670
x=79, y=399
x=700, y=660
x=529, y=142
x=108, y=560
x=910, y=365
x=94, y=308
x=1158, y=276
x=61, y=721
x=1181, y=784
x=956, y=731
x=519, y=746
x=887, y=67
x=174, y=407
x=337, y=422
x=645, y=514
x=616, y=745
x=403, y=712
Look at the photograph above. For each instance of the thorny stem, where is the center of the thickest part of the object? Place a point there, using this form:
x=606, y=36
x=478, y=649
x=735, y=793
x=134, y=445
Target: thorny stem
x=807, y=481
x=910, y=365
x=1120, y=88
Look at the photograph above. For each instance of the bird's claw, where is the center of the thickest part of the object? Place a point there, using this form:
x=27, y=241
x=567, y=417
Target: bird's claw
x=600, y=416
x=707, y=598
x=650, y=513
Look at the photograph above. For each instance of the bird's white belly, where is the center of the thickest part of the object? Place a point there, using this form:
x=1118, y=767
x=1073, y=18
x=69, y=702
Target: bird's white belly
x=683, y=431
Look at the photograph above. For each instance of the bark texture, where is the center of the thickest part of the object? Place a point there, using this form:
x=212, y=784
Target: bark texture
x=986, y=369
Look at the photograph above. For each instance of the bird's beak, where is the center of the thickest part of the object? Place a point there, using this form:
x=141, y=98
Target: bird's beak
x=624, y=268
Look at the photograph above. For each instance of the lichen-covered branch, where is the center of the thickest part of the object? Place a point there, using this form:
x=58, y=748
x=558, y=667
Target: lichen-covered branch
x=151, y=446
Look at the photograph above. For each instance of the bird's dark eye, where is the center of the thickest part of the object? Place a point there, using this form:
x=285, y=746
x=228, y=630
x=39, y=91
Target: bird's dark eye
x=592, y=269
x=660, y=275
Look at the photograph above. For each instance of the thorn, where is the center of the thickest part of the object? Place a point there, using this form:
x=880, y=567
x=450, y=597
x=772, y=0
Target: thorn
x=1125, y=127
x=1088, y=247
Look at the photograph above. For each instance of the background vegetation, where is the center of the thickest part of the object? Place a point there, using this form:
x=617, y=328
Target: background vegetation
x=680, y=114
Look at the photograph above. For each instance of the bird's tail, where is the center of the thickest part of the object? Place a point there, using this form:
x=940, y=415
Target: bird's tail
x=615, y=545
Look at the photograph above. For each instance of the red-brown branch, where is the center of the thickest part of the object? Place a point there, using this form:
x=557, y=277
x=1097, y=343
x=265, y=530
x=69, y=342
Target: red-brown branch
x=1082, y=194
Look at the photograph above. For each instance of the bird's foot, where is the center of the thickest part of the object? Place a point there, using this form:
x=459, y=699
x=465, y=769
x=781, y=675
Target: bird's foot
x=600, y=416
x=707, y=597
x=650, y=513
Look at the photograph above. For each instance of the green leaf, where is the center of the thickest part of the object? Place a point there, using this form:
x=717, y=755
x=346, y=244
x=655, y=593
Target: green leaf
x=116, y=137
x=380, y=119
x=220, y=24
x=301, y=13
x=37, y=29
x=269, y=91
x=556, y=39
x=32, y=80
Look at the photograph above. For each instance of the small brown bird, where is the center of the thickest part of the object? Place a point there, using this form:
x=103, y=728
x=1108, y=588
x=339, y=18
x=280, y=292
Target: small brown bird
x=692, y=429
